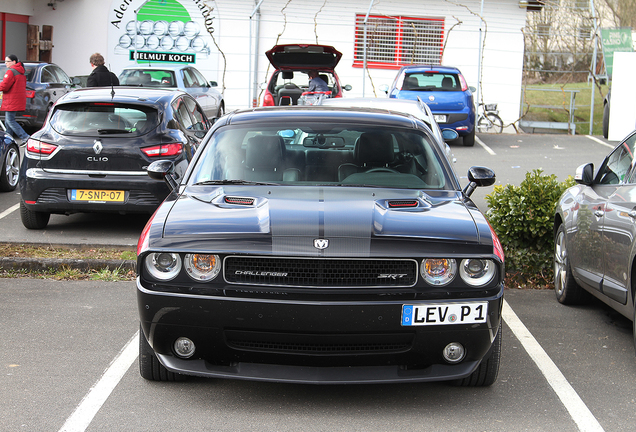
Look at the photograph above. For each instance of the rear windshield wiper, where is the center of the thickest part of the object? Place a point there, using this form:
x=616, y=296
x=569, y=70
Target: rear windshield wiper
x=234, y=182
x=113, y=131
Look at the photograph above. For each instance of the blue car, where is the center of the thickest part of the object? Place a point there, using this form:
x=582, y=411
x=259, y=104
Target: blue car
x=445, y=91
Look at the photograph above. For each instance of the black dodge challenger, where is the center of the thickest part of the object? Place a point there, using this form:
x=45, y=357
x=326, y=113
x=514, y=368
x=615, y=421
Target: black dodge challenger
x=320, y=245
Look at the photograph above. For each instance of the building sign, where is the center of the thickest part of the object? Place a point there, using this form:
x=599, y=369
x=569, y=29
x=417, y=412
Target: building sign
x=168, y=31
x=615, y=40
x=162, y=57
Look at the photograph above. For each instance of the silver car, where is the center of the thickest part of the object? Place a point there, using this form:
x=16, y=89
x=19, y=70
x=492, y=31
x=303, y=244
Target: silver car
x=595, y=233
x=182, y=77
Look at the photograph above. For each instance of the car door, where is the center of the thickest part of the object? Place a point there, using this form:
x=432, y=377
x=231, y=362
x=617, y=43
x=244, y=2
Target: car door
x=194, y=88
x=619, y=221
x=213, y=95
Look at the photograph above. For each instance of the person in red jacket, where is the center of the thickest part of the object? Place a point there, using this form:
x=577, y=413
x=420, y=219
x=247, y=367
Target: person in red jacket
x=13, y=88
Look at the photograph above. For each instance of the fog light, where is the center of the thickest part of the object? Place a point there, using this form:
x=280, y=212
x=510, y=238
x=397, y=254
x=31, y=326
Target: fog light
x=454, y=352
x=184, y=347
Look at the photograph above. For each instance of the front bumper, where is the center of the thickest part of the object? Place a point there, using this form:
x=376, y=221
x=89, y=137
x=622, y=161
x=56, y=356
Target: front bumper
x=51, y=192
x=322, y=342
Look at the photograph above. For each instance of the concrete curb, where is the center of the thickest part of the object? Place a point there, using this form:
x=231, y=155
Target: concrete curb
x=40, y=264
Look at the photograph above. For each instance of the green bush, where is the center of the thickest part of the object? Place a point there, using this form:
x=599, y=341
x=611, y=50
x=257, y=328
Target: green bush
x=523, y=218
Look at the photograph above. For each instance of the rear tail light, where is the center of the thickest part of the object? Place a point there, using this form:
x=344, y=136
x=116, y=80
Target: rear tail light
x=268, y=99
x=39, y=147
x=463, y=82
x=30, y=94
x=160, y=150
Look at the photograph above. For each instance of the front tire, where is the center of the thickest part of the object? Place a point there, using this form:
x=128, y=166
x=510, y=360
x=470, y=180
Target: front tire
x=567, y=291
x=486, y=373
x=10, y=169
x=149, y=366
x=33, y=219
x=606, y=112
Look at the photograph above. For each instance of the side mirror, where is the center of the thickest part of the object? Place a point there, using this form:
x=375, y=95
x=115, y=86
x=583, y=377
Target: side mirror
x=472, y=89
x=449, y=134
x=584, y=174
x=479, y=176
x=213, y=84
x=163, y=170
x=76, y=81
x=347, y=87
x=384, y=88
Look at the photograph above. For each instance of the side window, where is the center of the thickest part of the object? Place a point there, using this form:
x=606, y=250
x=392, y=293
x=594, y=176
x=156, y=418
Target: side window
x=617, y=166
x=631, y=144
x=61, y=75
x=199, y=119
x=48, y=75
x=188, y=79
x=181, y=113
x=201, y=81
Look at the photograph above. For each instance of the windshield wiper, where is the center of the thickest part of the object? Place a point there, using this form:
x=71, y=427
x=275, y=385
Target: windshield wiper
x=234, y=182
x=112, y=131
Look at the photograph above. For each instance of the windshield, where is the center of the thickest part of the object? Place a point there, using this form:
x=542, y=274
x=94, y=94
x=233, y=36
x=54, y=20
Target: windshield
x=317, y=154
x=101, y=118
x=148, y=78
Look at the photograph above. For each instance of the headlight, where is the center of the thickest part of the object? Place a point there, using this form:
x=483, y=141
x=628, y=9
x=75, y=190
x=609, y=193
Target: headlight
x=163, y=266
x=477, y=272
x=438, y=271
x=202, y=267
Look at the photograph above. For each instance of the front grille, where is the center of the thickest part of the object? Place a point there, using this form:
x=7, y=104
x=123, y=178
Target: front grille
x=320, y=272
x=310, y=344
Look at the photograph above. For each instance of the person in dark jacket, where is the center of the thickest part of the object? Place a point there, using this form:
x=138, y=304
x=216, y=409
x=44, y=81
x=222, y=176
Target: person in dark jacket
x=13, y=88
x=100, y=76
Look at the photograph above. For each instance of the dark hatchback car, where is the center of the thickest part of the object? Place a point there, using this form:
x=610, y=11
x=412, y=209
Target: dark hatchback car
x=445, y=91
x=93, y=153
x=320, y=245
x=46, y=83
x=595, y=234
x=292, y=62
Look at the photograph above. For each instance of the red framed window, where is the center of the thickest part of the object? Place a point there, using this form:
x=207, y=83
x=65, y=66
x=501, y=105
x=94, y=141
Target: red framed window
x=395, y=41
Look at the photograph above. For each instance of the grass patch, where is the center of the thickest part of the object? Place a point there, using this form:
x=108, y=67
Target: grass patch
x=559, y=103
x=38, y=251
x=67, y=272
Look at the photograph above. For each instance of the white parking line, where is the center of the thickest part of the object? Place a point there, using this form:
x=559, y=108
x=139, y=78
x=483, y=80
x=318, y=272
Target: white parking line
x=600, y=142
x=10, y=210
x=97, y=395
x=579, y=412
x=485, y=147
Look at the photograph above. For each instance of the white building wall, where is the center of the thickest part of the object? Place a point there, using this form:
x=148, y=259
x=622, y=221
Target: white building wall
x=327, y=22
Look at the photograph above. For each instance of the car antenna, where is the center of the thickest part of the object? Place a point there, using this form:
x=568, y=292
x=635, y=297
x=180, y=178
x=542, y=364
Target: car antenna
x=112, y=86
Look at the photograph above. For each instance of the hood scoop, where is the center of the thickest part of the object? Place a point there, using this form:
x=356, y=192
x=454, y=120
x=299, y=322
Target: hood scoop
x=411, y=203
x=242, y=201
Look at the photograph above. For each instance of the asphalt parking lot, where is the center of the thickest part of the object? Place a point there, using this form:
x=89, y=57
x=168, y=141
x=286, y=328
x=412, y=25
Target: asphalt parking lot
x=69, y=348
